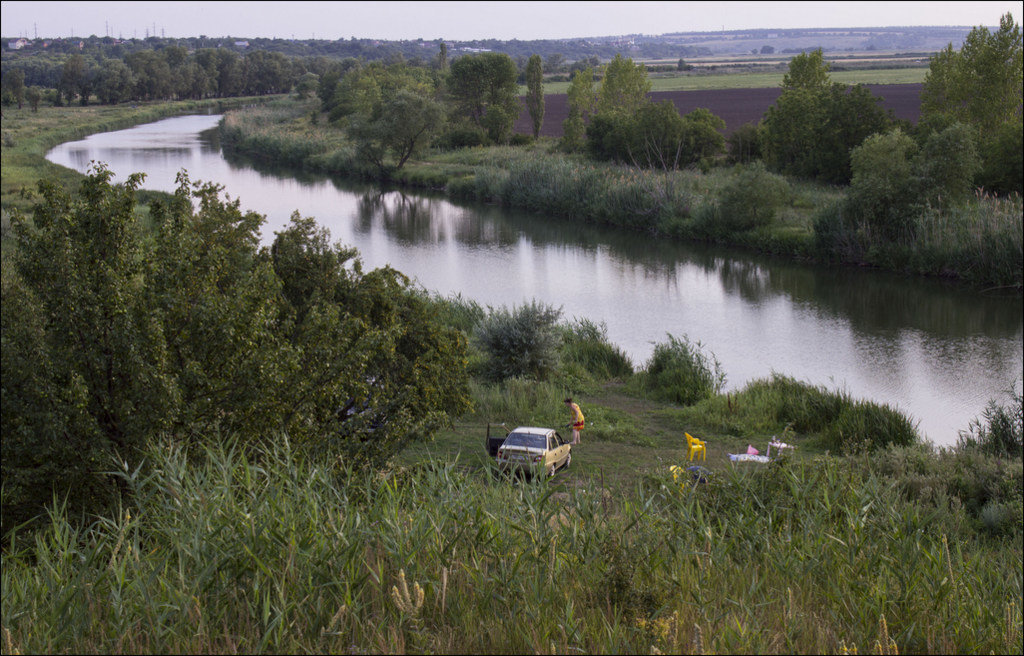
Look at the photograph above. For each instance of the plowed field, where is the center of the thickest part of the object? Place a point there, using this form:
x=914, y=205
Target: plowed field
x=734, y=106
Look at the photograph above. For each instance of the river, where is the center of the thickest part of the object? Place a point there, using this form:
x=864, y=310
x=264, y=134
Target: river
x=935, y=351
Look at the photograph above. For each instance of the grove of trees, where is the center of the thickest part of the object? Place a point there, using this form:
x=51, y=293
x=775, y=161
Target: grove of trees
x=115, y=336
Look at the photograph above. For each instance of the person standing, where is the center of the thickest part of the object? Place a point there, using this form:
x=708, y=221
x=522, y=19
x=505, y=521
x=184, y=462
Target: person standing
x=577, y=420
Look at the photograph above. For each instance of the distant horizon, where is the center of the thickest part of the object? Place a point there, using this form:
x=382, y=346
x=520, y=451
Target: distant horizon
x=478, y=21
x=574, y=38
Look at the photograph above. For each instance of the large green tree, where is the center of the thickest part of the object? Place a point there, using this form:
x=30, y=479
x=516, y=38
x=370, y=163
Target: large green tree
x=624, y=86
x=113, y=336
x=814, y=124
x=535, y=92
x=981, y=84
x=808, y=70
x=484, y=90
x=402, y=124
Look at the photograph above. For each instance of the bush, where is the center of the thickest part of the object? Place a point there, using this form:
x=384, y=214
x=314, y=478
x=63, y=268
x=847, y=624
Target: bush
x=462, y=137
x=680, y=371
x=752, y=198
x=864, y=425
x=882, y=192
x=1000, y=430
x=522, y=342
x=586, y=344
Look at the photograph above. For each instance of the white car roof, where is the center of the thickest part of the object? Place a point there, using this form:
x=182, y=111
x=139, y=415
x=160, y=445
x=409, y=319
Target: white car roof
x=533, y=430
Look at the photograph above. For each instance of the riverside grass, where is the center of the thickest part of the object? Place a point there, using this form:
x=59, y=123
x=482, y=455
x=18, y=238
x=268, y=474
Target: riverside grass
x=255, y=550
x=28, y=135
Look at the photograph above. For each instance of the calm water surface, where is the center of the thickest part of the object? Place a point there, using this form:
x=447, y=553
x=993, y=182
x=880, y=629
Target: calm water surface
x=936, y=352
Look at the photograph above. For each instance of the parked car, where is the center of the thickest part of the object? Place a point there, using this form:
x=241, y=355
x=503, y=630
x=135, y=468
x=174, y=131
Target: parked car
x=534, y=451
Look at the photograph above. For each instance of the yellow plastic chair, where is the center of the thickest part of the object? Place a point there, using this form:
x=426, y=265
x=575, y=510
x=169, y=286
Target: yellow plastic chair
x=695, y=447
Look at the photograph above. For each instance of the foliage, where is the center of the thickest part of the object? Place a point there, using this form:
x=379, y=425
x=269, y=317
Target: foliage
x=483, y=89
x=682, y=372
x=947, y=165
x=814, y=124
x=808, y=70
x=585, y=345
x=656, y=136
x=521, y=342
x=404, y=123
x=744, y=144
x=192, y=330
x=981, y=83
x=624, y=87
x=535, y=93
x=999, y=431
x=1002, y=156
x=752, y=197
x=883, y=191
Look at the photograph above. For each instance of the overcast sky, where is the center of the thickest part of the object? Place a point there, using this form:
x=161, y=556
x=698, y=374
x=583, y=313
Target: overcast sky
x=470, y=20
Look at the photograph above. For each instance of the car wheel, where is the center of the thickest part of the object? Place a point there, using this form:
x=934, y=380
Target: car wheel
x=551, y=471
x=568, y=461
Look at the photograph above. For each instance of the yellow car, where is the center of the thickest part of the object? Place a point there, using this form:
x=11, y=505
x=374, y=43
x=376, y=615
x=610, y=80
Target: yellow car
x=534, y=451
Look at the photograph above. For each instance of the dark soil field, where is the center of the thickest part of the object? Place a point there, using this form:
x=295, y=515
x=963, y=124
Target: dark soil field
x=734, y=106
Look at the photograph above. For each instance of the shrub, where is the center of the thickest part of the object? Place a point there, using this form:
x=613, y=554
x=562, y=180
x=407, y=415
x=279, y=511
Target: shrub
x=947, y=165
x=882, y=191
x=752, y=198
x=1000, y=430
x=522, y=342
x=864, y=425
x=680, y=371
x=462, y=137
x=586, y=344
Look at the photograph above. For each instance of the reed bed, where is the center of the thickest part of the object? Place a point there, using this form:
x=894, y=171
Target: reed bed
x=982, y=240
x=255, y=550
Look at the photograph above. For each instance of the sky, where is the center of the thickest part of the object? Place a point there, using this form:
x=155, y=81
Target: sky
x=466, y=21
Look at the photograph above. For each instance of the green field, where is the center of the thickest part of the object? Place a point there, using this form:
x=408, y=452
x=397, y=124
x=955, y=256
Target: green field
x=696, y=82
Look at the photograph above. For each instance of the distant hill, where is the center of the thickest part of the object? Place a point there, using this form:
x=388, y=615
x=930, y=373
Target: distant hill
x=672, y=46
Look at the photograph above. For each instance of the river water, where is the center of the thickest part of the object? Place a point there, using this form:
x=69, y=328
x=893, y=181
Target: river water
x=933, y=350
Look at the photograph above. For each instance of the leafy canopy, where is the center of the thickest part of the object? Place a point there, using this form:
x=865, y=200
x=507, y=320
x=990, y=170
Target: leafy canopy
x=114, y=335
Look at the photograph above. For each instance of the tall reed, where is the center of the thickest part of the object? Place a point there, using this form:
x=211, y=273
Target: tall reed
x=258, y=551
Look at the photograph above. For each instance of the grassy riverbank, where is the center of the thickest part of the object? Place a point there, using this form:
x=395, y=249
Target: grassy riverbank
x=28, y=136
x=979, y=241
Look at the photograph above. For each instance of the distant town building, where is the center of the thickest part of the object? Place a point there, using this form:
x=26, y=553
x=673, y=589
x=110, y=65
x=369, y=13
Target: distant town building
x=18, y=44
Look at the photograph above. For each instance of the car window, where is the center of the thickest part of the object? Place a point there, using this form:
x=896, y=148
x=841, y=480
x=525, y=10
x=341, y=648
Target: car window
x=526, y=440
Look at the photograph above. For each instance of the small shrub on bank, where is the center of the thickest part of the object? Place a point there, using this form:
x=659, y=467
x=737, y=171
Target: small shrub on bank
x=586, y=345
x=521, y=342
x=752, y=198
x=999, y=431
x=682, y=372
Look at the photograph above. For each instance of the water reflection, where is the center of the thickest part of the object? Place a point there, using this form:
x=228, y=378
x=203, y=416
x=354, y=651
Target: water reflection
x=933, y=350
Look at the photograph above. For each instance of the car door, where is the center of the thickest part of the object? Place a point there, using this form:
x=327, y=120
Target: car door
x=560, y=449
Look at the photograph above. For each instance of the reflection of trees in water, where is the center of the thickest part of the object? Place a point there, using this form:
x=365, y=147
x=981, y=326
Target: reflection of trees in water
x=407, y=219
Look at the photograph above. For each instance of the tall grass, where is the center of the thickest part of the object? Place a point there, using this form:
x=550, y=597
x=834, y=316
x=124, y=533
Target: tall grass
x=225, y=552
x=840, y=423
x=280, y=133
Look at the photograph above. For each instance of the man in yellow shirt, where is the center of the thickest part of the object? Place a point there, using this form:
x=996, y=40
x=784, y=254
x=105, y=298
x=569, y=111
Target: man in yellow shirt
x=577, y=420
